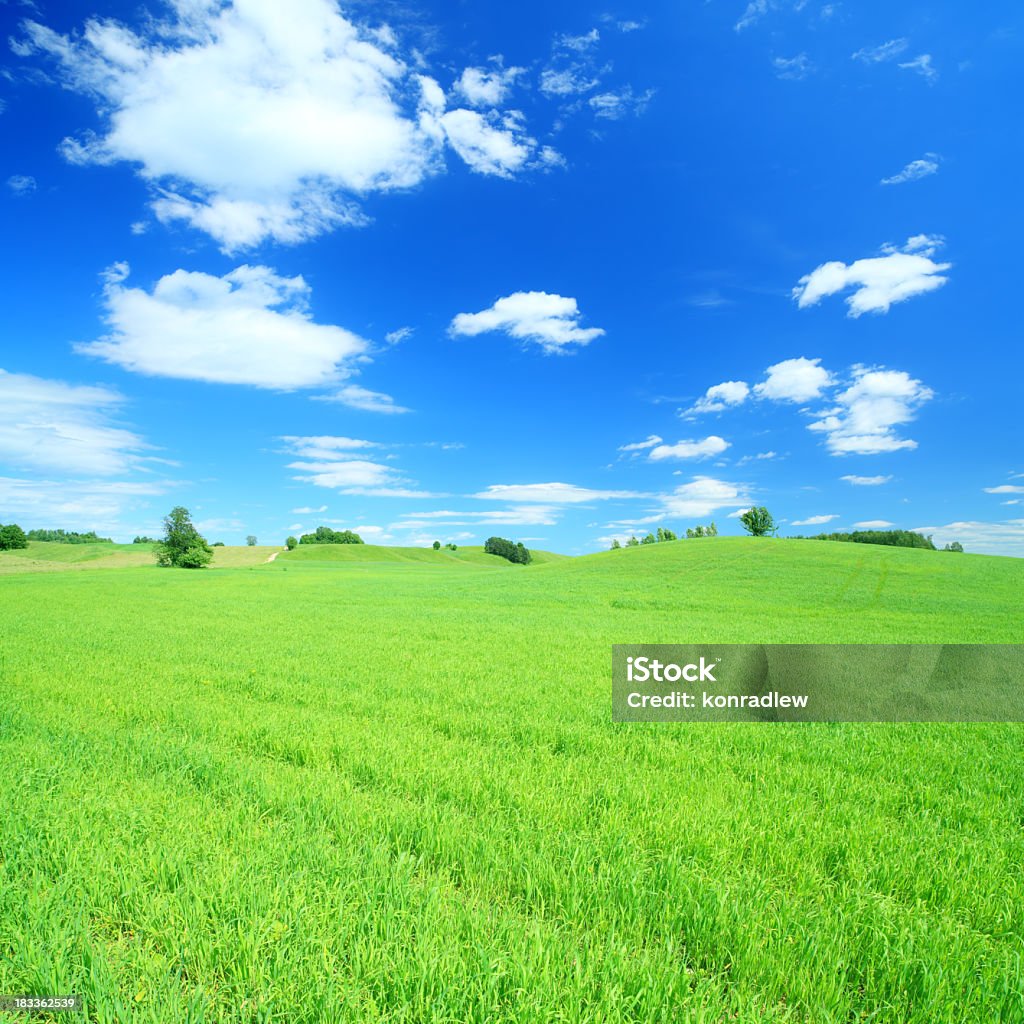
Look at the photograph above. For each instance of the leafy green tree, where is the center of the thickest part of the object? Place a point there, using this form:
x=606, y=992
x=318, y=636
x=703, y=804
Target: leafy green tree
x=145, y=540
x=632, y=543
x=251, y=540
x=437, y=545
x=12, y=536
x=669, y=535
x=451, y=547
x=649, y=539
x=503, y=548
x=615, y=544
x=712, y=530
x=955, y=546
x=68, y=537
x=182, y=547
x=757, y=521
x=291, y=543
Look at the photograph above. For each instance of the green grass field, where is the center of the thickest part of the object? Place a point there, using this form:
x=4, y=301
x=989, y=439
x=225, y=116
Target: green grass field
x=376, y=785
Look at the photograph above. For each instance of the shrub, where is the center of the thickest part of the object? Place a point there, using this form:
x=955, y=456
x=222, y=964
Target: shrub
x=291, y=543
x=437, y=545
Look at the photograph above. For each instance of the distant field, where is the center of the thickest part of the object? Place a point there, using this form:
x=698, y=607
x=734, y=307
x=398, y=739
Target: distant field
x=376, y=555
x=45, y=556
x=345, y=787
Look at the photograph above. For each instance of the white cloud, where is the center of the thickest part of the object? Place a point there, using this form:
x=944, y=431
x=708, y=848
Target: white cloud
x=579, y=43
x=794, y=380
x=814, y=520
x=866, y=414
x=248, y=327
x=489, y=143
x=1001, y=538
x=80, y=504
x=552, y=321
x=915, y=170
x=754, y=10
x=324, y=446
x=614, y=105
x=21, y=184
x=1004, y=489
x=49, y=425
x=327, y=461
x=866, y=481
x=702, y=496
x=639, y=446
x=306, y=511
x=879, y=281
x=712, y=445
x=567, y=81
x=761, y=456
x=874, y=524
x=260, y=120
x=876, y=54
x=923, y=66
x=486, y=87
x=525, y=515
x=396, y=337
x=549, y=494
x=356, y=397
x=719, y=397
x=793, y=68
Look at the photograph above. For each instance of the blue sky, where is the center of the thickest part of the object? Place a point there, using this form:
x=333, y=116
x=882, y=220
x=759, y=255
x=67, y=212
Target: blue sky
x=560, y=273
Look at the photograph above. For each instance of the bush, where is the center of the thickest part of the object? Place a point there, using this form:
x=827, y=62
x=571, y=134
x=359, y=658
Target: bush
x=291, y=543
x=325, y=535
x=437, y=545
x=503, y=548
x=182, y=546
x=12, y=537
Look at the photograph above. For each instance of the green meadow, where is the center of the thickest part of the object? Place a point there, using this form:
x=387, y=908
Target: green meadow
x=376, y=784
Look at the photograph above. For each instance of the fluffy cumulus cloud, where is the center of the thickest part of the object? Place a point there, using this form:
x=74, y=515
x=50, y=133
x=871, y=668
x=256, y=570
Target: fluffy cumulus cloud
x=702, y=496
x=794, y=380
x=877, y=282
x=702, y=449
x=51, y=426
x=915, y=170
x=549, y=494
x=815, y=520
x=259, y=120
x=250, y=326
x=865, y=416
x=551, y=321
x=719, y=397
x=326, y=461
x=486, y=87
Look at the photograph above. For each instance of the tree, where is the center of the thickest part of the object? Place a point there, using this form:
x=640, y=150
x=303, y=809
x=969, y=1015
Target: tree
x=515, y=553
x=649, y=539
x=325, y=535
x=955, y=546
x=712, y=530
x=632, y=543
x=251, y=540
x=757, y=521
x=182, y=547
x=437, y=545
x=668, y=535
x=12, y=536
x=615, y=544
x=291, y=543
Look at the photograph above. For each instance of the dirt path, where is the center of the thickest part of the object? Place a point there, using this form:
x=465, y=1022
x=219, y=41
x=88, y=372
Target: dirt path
x=273, y=556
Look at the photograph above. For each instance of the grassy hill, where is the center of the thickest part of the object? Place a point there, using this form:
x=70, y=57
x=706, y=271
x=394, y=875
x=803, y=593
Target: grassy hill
x=47, y=556
x=362, y=789
x=379, y=555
